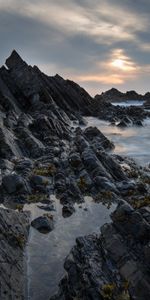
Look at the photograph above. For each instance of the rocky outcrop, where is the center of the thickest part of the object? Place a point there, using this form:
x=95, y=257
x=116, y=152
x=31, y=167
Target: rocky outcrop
x=13, y=236
x=43, y=152
x=113, y=95
x=36, y=87
x=147, y=103
x=116, y=114
x=112, y=265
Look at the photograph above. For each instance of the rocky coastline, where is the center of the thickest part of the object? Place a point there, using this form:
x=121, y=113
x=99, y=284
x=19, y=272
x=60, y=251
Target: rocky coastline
x=114, y=95
x=44, y=150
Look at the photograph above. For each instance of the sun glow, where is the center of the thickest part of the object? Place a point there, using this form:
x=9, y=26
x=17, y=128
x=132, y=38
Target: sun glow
x=118, y=63
x=121, y=61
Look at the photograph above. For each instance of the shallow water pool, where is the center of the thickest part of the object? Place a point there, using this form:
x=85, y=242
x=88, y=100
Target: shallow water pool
x=46, y=253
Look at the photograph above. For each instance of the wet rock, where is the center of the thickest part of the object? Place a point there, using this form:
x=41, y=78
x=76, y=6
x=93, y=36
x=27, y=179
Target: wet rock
x=14, y=228
x=29, y=144
x=138, y=123
x=127, y=120
x=75, y=160
x=102, y=183
x=85, y=180
x=37, y=180
x=125, y=187
x=68, y=210
x=15, y=183
x=6, y=166
x=122, y=124
x=93, y=134
x=142, y=188
x=23, y=164
x=145, y=211
x=93, y=165
x=74, y=191
x=122, y=213
x=8, y=145
x=44, y=224
x=109, y=264
x=112, y=168
x=60, y=182
x=49, y=207
x=130, y=222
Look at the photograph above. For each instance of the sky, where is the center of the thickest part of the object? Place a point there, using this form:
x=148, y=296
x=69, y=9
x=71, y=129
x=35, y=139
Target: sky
x=100, y=44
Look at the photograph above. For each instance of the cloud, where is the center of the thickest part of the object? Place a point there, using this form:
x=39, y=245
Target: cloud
x=99, y=22
x=93, y=42
x=114, y=70
x=119, y=60
x=111, y=79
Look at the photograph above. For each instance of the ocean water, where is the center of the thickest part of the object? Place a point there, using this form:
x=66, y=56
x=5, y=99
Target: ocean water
x=132, y=141
x=129, y=103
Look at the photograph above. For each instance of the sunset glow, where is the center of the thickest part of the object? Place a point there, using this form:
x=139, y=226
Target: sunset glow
x=119, y=63
x=85, y=42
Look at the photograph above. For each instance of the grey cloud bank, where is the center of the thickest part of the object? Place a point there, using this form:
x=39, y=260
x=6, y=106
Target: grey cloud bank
x=99, y=44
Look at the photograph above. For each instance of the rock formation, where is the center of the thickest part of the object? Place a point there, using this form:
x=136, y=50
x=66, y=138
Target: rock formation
x=44, y=152
x=14, y=228
x=113, y=95
x=112, y=265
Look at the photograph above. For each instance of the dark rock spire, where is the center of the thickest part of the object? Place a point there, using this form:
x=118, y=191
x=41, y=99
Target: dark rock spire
x=15, y=60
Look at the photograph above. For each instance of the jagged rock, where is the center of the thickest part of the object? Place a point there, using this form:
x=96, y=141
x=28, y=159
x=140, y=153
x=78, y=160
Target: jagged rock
x=145, y=211
x=6, y=166
x=99, y=266
x=147, y=103
x=8, y=144
x=13, y=236
x=113, y=95
x=131, y=223
x=111, y=166
x=7, y=100
x=125, y=186
x=29, y=144
x=102, y=183
x=138, y=123
x=23, y=166
x=94, y=135
x=122, y=124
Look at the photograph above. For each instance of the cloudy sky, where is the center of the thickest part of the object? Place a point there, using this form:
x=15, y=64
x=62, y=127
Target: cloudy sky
x=98, y=43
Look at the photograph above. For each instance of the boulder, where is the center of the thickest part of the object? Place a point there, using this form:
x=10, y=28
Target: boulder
x=14, y=183
x=37, y=180
x=67, y=210
x=43, y=224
